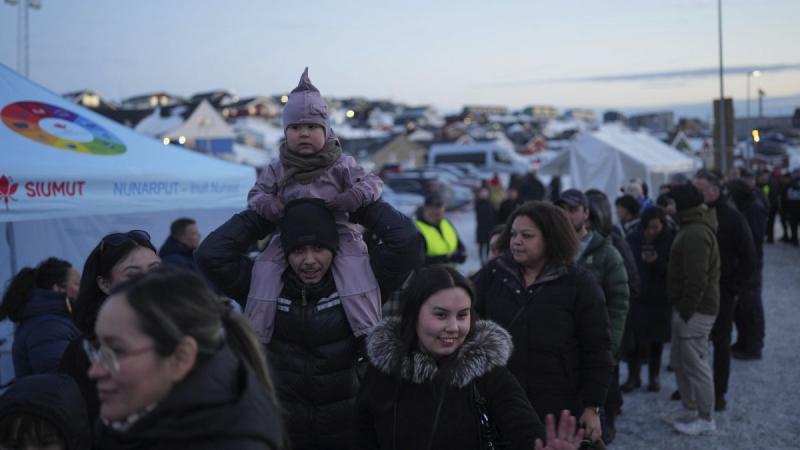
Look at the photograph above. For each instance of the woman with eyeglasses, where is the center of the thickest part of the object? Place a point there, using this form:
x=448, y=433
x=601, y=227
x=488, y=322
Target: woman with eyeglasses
x=38, y=300
x=176, y=369
x=116, y=258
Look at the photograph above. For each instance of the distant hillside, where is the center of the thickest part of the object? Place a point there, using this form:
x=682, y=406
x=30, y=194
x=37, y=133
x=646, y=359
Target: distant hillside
x=773, y=106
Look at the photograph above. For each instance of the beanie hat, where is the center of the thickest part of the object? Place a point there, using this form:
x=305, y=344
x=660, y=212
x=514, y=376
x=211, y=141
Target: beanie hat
x=308, y=222
x=306, y=105
x=573, y=198
x=686, y=196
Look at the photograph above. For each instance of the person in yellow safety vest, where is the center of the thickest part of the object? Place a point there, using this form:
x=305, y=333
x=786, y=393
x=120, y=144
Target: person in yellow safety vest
x=442, y=245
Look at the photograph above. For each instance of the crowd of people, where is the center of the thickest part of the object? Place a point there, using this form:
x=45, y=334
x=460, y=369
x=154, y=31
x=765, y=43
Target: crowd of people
x=354, y=328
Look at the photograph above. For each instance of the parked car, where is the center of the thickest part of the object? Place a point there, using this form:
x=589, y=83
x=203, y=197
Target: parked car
x=487, y=156
x=404, y=202
x=427, y=182
x=461, y=177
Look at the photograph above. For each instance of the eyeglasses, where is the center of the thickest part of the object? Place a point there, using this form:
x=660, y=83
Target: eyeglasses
x=107, y=357
x=117, y=239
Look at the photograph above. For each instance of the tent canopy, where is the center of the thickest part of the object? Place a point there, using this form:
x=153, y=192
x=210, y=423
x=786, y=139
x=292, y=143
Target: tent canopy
x=606, y=158
x=61, y=160
x=69, y=176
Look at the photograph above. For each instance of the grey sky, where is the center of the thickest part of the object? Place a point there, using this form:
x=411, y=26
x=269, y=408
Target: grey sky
x=623, y=53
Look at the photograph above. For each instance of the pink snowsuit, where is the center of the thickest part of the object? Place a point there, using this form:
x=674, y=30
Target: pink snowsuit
x=355, y=282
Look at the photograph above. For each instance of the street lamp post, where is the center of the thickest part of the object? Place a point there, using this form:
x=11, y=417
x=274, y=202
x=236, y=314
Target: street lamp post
x=754, y=74
x=723, y=145
x=23, y=39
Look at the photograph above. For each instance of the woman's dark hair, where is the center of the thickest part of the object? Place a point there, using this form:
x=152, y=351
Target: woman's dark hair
x=560, y=240
x=51, y=271
x=599, y=211
x=99, y=263
x=628, y=202
x=421, y=286
x=25, y=430
x=172, y=303
x=655, y=212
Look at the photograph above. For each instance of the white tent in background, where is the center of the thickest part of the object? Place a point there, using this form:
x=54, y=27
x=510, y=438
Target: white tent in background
x=606, y=158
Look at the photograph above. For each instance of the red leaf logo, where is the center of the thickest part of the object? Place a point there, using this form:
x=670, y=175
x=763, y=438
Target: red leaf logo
x=7, y=189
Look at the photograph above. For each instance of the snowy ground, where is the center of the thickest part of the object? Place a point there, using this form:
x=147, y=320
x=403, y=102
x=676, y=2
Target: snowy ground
x=763, y=397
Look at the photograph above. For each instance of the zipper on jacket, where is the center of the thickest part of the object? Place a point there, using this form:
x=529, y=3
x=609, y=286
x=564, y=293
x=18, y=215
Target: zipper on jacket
x=304, y=302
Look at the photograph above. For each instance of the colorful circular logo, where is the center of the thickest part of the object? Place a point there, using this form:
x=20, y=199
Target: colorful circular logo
x=60, y=128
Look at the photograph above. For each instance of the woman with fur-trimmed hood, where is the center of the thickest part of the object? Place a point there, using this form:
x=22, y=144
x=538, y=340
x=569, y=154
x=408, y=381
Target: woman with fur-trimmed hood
x=435, y=370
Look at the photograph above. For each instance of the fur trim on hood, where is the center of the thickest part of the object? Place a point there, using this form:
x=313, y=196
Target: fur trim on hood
x=488, y=346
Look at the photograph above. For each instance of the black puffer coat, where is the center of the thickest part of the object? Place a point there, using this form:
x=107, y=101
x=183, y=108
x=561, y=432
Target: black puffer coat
x=313, y=355
x=560, y=330
x=651, y=314
x=399, y=410
x=177, y=254
x=220, y=405
x=737, y=251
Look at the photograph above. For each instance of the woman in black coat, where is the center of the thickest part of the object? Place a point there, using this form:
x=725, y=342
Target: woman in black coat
x=176, y=369
x=651, y=314
x=554, y=311
x=118, y=257
x=436, y=371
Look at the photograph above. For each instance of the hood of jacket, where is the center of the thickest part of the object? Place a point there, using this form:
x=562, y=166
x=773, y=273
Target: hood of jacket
x=54, y=397
x=701, y=214
x=44, y=301
x=487, y=346
x=220, y=399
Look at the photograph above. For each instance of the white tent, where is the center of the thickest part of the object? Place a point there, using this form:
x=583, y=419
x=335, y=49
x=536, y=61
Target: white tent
x=69, y=176
x=606, y=158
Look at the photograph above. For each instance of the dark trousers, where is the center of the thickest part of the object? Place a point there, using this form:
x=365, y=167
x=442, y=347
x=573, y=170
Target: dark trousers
x=784, y=214
x=652, y=353
x=750, y=324
x=612, y=407
x=773, y=211
x=483, y=252
x=794, y=222
x=721, y=338
x=614, y=397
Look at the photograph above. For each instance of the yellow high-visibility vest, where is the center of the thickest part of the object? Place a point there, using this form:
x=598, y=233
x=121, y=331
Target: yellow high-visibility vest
x=439, y=243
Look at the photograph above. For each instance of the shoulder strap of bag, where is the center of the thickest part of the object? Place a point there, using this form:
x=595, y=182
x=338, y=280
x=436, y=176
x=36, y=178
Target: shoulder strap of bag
x=488, y=432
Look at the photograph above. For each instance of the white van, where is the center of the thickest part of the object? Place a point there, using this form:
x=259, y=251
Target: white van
x=486, y=156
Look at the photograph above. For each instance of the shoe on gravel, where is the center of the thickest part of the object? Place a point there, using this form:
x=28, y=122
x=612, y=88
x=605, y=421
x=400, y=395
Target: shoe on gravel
x=696, y=427
x=680, y=415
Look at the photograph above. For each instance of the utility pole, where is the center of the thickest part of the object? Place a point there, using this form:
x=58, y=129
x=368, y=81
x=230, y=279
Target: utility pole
x=723, y=145
x=23, y=36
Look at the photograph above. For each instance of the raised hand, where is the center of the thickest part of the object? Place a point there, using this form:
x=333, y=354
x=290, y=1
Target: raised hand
x=567, y=437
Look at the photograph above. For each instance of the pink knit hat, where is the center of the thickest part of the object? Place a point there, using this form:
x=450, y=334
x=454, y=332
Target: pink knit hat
x=306, y=105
